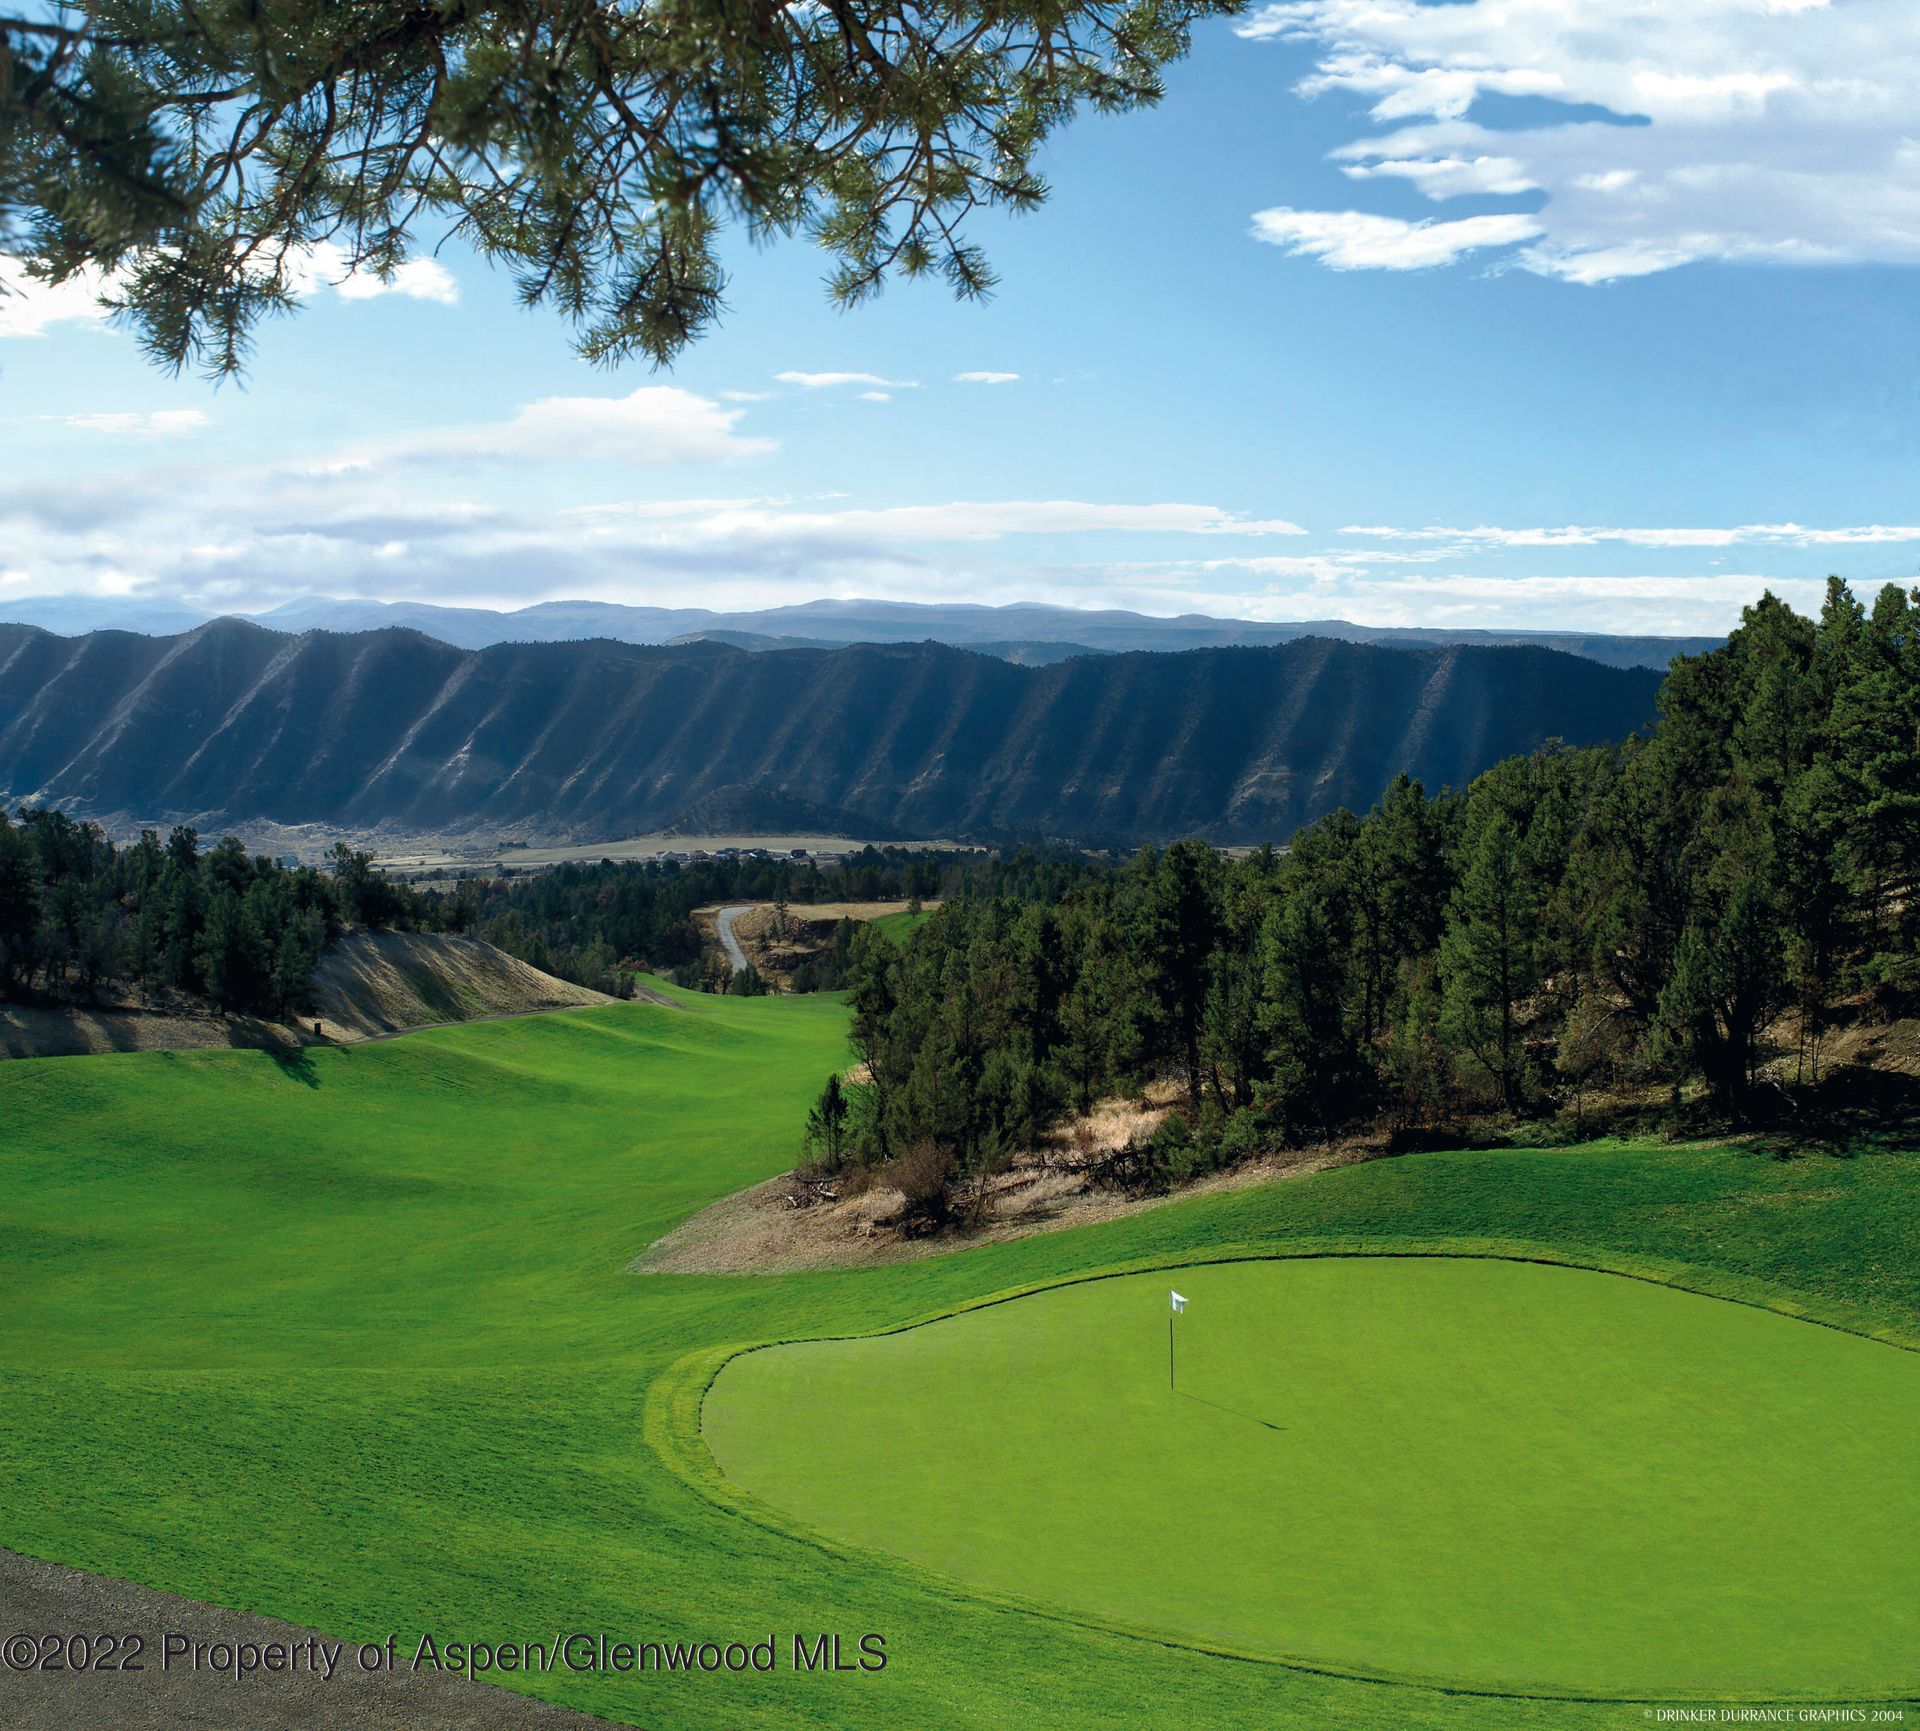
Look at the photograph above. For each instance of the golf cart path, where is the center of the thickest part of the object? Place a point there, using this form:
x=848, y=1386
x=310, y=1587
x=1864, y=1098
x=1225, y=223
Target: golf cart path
x=723, y=923
x=46, y=1599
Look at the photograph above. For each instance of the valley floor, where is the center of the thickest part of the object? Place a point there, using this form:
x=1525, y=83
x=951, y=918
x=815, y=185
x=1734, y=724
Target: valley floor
x=348, y=1341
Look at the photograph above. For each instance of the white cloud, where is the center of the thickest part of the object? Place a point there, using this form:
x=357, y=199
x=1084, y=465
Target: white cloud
x=654, y=426
x=329, y=265
x=1354, y=240
x=1576, y=535
x=1446, y=176
x=1335, y=588
x=1765, y=130
x=28, y=305
x=828, y=381
x=230, y=538
x=745, y=396
x=985, y=378
x=987, y=521
x=876, y=396
x=133, y=424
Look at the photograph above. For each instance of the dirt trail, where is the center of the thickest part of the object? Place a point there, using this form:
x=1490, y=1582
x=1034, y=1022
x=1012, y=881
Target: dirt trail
x=40, y=1600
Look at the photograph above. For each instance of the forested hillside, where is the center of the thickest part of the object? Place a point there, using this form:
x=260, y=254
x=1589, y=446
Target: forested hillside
x=240, y=931
x=231, y=723
x=1696, y=907
x=594, y=923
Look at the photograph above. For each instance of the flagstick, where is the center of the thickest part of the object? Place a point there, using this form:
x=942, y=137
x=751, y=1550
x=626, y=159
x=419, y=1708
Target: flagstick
x=1170, y=1352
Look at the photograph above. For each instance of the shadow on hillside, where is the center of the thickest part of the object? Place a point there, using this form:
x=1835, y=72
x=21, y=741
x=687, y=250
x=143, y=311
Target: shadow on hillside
x=1853, y=1110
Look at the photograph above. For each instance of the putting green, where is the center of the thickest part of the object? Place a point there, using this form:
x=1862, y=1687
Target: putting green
x=1497, y=1475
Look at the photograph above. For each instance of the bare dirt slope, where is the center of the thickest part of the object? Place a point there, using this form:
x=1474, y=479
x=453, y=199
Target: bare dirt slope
x=39, y=1600
x=791, y=1223
x=33, y=1031
x=369, y=985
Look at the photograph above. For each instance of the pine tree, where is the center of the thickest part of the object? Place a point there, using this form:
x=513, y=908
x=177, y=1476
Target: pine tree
x=597, y=149
x=1487, y=953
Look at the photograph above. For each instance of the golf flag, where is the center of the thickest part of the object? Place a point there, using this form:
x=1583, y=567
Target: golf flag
x=1179, y=1303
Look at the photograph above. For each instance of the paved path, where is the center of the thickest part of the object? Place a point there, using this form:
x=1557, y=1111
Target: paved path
x=38, y=1600
x=728, y=942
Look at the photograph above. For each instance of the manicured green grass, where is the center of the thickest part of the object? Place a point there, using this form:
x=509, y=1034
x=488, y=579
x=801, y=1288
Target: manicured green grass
x=1375, y=1463
x=903, y=925
x=351, y=1339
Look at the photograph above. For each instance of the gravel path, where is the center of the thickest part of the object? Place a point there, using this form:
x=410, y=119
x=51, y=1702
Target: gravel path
x=723, y=922
x=39, y=1599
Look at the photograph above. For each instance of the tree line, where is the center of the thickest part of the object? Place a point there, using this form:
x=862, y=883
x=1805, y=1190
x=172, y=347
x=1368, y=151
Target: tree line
x=241, y=931
x=596, y=923
x=1652, y=914
x=244, y=932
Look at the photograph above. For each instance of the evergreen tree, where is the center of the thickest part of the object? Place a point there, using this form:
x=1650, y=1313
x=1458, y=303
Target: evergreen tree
x=596, y=149
x=1487, y=953
x=1315, y=1076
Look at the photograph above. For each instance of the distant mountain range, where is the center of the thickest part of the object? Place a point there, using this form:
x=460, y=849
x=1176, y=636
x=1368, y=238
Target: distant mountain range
x=232, y=723
x=1030, y=633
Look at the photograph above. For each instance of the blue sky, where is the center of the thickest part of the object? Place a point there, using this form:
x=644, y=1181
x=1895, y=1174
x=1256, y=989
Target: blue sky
x=1592, y=314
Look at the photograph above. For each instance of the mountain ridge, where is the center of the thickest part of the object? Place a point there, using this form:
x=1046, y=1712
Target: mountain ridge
x=1019, y=631
x=393, y=729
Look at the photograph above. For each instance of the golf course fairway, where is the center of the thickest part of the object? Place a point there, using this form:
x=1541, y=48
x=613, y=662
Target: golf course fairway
x=1482, y=1473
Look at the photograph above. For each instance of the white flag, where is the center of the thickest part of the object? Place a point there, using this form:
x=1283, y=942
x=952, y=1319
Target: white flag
x=1179, y=1303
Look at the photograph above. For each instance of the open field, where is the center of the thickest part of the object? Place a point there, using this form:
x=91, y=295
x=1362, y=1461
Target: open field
x=432, y=854
x=343, y=1336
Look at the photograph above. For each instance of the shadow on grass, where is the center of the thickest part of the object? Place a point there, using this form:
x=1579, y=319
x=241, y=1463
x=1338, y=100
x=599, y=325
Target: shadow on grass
x=1231, y=1411
x=1854, y=1110
x=296, y=1064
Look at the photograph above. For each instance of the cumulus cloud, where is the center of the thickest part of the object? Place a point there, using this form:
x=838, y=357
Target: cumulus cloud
x=28, y=305
x=1761, y=130
x=828, y=381
x=421, y=279
x=985, y=378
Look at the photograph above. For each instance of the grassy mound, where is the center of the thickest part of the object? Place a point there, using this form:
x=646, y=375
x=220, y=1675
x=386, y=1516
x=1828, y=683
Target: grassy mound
x=1496, y=1474
x=346, y=1336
